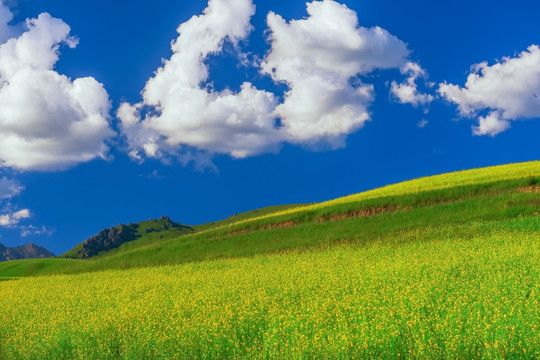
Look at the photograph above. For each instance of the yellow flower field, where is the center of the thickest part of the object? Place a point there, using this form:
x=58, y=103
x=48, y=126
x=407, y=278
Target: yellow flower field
x=461, y=298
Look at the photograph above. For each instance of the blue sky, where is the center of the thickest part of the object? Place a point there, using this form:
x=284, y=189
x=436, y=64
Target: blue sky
x=334, y=105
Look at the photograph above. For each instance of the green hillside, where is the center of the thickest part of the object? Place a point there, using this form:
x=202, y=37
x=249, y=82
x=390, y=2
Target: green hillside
x=107, y=240
x=431, y=205
x=443, y=267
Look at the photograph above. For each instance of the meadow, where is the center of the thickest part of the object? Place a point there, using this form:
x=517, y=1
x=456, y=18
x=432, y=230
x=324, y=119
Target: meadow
x=476, y=297
x=443, y=268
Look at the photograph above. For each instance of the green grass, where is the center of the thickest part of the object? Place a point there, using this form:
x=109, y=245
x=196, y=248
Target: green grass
x=474, y=197
x=445, y=267
x=454, y=297
x=235, y=218
x=18, y=268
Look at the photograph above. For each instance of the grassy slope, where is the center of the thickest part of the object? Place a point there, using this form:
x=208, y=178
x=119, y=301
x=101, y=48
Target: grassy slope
x=439, y=271
x=468, y=295
x=17, y=268
x=253, y=214
x=431, y=206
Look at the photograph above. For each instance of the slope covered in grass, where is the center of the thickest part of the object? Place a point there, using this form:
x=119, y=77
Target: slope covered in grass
x=470, y=295
x=460, y=179
x=430, y=205
x=443, y=267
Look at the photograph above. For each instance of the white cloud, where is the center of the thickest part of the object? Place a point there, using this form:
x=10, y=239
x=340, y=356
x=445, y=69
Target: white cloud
x=21, y=214
x=47, y=120
x=31, y=230
x=407, y=92
x=153, y=175
x=9, y=188
x=492, y=124
x=5, y=220
x=12, y=219
x=186, y=113
x=422, y=123
x=508, y=90
x=6, y=31
x=319, y=58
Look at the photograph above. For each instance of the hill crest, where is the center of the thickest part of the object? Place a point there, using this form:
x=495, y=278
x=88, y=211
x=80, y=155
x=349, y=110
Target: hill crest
x=112, y=238
x=448, y=205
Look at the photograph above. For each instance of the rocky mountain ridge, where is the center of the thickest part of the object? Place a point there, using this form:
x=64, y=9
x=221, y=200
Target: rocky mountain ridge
x=28, y=251
x=112, y=238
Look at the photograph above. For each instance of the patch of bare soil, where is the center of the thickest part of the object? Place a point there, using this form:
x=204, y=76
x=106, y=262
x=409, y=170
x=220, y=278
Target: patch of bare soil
x=529, y=189
x=276, y=226
x=363, y=213
x=352, y=214
x=238, y=232
x=264, y=227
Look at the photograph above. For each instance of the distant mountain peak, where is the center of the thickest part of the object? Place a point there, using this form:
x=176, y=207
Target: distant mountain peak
x=27, y=251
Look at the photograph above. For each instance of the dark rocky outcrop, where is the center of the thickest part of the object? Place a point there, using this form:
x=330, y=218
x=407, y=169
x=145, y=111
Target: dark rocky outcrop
x=107, y=239
x=112, y=238
x=28, y=251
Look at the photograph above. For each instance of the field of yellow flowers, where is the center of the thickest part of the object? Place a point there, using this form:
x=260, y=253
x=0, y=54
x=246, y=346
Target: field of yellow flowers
x=476, y=297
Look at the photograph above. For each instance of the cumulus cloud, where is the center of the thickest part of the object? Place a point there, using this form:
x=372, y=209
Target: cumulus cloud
x=320, y=58
x=185, y=112
x=491, y=124
x=407, y=92
x=47, y=120
x=507, y=91
x=12, y=219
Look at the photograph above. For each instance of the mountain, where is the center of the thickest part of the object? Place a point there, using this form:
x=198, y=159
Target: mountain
x=28, y=251
x=114, y=237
